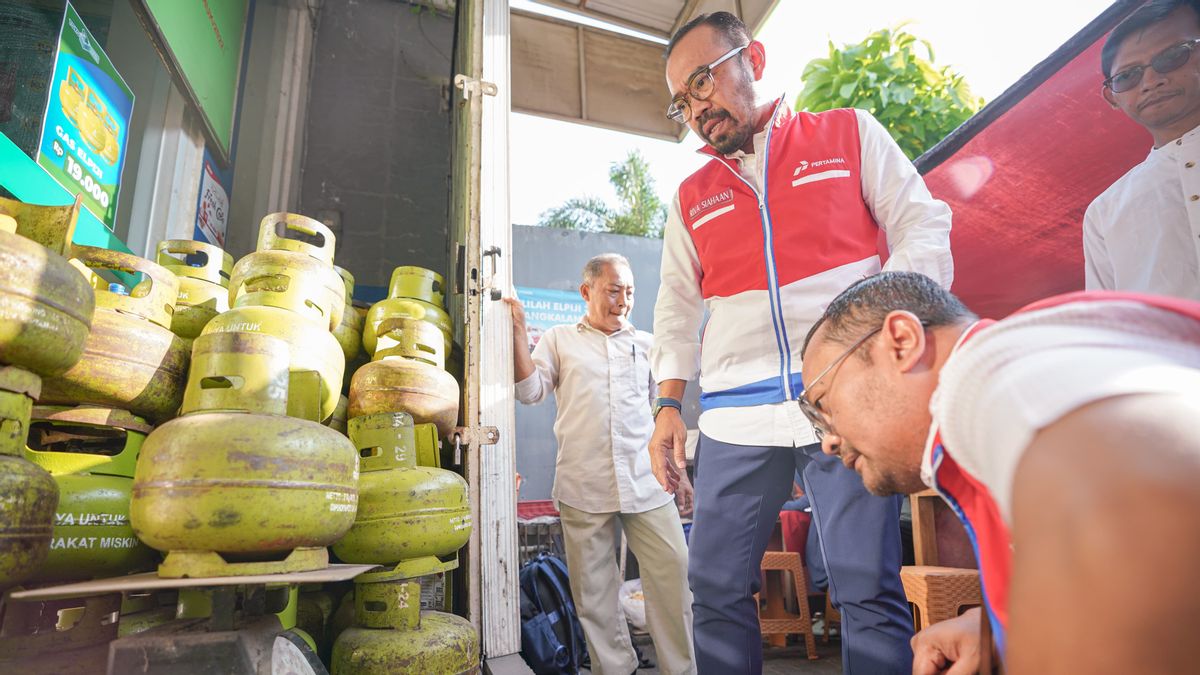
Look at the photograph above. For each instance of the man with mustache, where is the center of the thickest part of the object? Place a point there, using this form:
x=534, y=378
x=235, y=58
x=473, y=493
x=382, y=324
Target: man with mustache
x=786, y=213
x=1063, y=436
x=599, y=373
x=1143, y=233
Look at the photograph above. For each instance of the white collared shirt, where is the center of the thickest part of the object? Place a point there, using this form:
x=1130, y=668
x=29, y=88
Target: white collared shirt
x=603, y=425
x=1142, y=234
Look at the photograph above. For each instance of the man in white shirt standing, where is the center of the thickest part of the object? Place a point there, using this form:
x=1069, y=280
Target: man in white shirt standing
x=1143, y=233
x=599, y=372
x=785, y=214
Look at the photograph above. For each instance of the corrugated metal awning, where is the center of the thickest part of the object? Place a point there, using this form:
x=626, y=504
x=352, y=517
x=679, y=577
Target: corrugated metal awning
x=579, y=73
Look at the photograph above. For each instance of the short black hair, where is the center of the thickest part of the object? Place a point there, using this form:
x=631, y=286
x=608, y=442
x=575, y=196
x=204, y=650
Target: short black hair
x=1143, y=17
x=862, y=307
x=728, y=25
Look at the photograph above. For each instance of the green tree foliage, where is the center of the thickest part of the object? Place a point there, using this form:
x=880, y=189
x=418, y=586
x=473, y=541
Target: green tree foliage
x=640, y=213
x=890, y=75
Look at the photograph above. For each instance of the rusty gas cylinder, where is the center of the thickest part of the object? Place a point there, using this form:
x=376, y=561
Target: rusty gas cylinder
x=405, y=511
x=131, y=360
x=407, y=375
x=28, y=494
x=46, y=308
x=234, y=476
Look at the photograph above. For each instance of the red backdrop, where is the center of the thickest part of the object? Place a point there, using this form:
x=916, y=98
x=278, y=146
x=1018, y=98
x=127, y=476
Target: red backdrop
x=1020, y=185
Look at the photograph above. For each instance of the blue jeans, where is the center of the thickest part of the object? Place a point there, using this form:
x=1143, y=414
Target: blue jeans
x=739, y=492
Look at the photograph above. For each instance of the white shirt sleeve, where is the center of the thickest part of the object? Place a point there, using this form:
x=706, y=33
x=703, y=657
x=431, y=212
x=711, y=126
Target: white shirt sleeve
x=544, y=378
x=1097, y=267
x=917, y=225
x=680, y=305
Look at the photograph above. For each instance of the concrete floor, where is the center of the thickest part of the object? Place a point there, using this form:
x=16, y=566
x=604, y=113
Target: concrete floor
x=790, y=660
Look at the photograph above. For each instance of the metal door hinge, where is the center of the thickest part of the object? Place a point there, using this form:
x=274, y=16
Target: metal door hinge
x=480, y=435
x=470, y=85
x=468, y=435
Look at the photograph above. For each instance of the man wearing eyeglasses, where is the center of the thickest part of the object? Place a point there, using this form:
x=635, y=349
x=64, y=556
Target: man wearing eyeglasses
x=786, y=213
x=1143, y=233
x=1063, y=436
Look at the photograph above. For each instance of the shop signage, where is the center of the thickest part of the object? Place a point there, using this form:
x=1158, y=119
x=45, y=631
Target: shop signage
x=545, y=308
x=86, y=127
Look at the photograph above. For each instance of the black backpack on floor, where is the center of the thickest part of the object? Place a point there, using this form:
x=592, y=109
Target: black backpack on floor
x=552, y=641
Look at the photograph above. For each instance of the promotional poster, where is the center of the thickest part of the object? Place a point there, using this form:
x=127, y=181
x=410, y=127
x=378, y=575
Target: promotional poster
x=87, y=121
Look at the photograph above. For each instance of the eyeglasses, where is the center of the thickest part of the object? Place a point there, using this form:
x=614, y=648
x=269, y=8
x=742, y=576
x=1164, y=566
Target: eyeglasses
x=820, y=423
x=699, y=87
x=1171, y=58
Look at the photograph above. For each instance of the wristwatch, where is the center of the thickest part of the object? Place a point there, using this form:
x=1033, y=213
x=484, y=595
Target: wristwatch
x=665, y=402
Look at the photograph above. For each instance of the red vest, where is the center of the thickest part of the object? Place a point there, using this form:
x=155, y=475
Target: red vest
x=813, y=181
x=973, y=503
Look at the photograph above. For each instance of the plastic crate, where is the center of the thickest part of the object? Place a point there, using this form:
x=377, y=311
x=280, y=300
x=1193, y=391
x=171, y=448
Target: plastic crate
x=538, y=529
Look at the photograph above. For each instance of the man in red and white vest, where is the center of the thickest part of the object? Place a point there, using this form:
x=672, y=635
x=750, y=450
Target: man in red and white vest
x=1066, y=438
x=787, y=212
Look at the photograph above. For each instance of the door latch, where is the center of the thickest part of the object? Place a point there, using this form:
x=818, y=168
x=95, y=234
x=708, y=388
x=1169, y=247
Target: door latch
x=470, y=85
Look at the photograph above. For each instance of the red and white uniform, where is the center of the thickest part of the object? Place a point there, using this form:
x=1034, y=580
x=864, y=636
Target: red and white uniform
x=762, y=241
x=1007, y=380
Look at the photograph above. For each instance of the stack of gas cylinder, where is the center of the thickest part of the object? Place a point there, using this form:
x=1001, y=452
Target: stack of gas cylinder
x=409, y=337
x=258, y=462
x=413, y=516
x=247, y=480
x=47, y=311
x=412, y=519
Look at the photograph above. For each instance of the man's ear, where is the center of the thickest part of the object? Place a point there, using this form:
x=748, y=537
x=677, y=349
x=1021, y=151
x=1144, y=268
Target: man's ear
x=1108, y=96
x=585, y=291
x=904, y=338
x=758, y=58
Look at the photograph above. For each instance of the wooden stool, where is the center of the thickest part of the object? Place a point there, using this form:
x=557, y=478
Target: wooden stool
x=775, y=619
x=939, y=593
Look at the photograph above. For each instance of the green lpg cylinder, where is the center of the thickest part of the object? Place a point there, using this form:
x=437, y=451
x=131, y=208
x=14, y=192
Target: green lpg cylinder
x=405, y=511
x=28, y=494
x=131, y=359
x=418, y=283
x=349, y=331
x=316, y=363
x=392, y=635
x=91, y=452
x=413, y=293
x=46, y=308
x=407, y=375
x=234, y=481
x=292, y=269
x=203, y=271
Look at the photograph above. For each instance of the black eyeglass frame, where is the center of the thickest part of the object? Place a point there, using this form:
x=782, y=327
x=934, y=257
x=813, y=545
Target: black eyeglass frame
x=1138, y=72
x=680, y=110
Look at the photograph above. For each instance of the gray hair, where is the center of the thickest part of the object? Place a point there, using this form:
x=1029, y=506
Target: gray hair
x=595, y=266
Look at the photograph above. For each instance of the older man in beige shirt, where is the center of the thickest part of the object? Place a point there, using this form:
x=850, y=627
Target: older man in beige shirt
x=599, y=371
